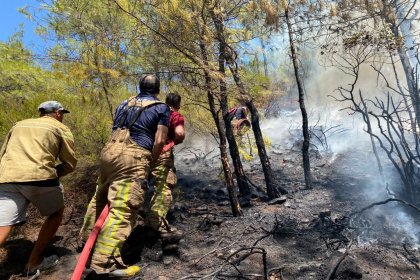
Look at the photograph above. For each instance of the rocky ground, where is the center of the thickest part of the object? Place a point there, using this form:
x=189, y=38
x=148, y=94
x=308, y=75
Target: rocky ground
x=300, y=236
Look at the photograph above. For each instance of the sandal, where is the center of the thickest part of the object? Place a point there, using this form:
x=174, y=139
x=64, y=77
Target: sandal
x=46, y=264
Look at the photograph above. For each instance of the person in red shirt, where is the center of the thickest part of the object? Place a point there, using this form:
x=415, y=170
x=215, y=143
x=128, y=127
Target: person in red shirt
x=163, y=173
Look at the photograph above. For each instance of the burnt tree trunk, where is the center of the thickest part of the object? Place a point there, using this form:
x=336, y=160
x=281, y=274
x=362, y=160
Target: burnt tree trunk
x=242, y=180
x=413, y=89
x=233, y=195
x=243, y=185
x=305, y=126
x=272, y=189
x=407, y=28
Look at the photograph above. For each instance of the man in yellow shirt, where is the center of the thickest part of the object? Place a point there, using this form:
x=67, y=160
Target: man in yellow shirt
x=29, y=173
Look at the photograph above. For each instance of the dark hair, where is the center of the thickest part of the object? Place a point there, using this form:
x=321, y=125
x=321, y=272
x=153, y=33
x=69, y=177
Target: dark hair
x=149, y=84
x=173, y=99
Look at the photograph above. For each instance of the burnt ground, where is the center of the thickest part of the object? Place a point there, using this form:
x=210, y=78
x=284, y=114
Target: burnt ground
x=301, y=236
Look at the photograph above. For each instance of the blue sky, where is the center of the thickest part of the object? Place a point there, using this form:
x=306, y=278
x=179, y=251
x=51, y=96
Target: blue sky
x=10, y=19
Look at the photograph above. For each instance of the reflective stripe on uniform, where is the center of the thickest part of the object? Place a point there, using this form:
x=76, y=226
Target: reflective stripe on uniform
x=106, y=237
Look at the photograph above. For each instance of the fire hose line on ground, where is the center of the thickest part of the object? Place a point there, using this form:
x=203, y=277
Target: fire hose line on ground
x=80, y=266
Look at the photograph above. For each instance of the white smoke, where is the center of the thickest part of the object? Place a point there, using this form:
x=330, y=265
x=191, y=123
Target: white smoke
x=324, y=111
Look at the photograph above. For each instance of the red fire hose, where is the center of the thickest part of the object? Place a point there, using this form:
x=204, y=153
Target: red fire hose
x=80, y=266
x=168, y=146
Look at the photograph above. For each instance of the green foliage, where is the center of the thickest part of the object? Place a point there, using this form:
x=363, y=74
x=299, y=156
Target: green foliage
x=258, y=86
x=247, y=146
x=101, y=48
x=24, y=85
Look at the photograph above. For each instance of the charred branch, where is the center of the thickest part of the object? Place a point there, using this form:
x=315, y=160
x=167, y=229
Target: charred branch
x=409, y=256
x=233, y=260
x=335, y=267
x=356, y=214
x=396, y=127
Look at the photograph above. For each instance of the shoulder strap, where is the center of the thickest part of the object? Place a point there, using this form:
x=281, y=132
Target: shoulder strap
x=125, y=112
x=142, y=105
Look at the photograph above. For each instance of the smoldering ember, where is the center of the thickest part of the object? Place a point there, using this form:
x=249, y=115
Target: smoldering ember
x=301, y=156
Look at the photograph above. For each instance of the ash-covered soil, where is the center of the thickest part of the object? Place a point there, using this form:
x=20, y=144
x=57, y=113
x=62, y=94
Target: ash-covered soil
x=300, y=236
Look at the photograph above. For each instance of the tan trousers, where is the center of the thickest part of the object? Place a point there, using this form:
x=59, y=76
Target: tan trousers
x=164, y=175
x=124, y=167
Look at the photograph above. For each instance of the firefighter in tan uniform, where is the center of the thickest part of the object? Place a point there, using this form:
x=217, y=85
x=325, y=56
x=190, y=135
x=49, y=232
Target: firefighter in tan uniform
x=29, y=173
x=139, y=134
x=164, y=175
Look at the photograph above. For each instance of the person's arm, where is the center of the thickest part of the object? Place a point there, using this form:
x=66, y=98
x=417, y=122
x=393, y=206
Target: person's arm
x=179, y=134
x=160, y=140
x=179, y=137
x=179, y=124
x=67, y=155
